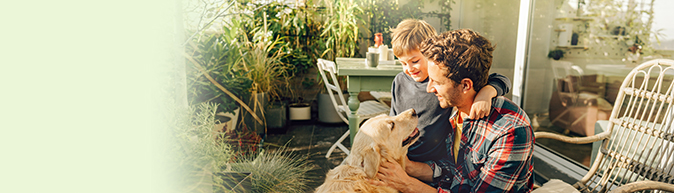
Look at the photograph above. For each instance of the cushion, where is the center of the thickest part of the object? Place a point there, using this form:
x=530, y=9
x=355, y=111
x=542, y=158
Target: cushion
x=556, y=186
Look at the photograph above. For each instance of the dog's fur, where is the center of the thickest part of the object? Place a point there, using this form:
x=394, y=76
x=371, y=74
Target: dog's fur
x=379, y=139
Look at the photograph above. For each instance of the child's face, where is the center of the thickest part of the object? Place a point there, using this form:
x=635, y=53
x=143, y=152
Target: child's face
x=414, y=65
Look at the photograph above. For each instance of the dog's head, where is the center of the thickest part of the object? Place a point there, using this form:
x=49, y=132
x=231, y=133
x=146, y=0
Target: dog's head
x=384, y=137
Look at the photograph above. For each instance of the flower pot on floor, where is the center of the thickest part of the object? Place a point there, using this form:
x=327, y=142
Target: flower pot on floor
x=326, y=111
x=300, y=111
x=247, y=118
x=276, y=117
x=228, y=121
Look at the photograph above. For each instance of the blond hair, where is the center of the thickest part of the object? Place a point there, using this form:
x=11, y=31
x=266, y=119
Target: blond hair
x=409, y=34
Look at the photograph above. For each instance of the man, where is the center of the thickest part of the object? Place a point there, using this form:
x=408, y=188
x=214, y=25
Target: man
x=490, y=154
x=409, y=91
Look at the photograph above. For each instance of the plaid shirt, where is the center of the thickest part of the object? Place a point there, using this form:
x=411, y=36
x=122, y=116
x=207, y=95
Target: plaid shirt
x=494, y=154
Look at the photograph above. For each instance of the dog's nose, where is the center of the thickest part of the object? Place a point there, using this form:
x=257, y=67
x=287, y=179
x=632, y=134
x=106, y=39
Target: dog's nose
x=414, y=113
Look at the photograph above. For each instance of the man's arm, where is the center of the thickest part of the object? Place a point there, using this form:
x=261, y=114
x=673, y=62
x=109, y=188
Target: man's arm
x=509, y=162
x=419, y=170
x=393, y=175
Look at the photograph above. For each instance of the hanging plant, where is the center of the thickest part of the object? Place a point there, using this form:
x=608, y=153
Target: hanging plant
x=556, y=54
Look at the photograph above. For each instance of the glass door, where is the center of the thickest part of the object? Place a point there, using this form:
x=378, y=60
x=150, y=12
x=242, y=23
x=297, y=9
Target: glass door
x=579, y=51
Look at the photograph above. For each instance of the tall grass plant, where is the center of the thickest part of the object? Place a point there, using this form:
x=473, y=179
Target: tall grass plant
x=277, y=171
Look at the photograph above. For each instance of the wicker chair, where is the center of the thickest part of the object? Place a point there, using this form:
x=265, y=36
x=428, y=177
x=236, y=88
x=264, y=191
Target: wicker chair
x=367, y=109
x=637, y=148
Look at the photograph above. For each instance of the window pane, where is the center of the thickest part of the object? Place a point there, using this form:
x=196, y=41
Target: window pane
x=497, y=21
x=596, y=44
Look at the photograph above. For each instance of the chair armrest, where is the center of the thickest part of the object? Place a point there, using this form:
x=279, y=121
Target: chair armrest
x=644, y=185
x=599, y=127
x=567, y=139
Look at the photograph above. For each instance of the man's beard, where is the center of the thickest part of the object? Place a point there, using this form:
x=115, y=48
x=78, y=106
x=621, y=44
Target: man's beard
x=451, y=99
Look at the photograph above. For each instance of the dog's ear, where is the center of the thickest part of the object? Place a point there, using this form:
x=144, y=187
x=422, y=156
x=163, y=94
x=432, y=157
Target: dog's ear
x=371, y=160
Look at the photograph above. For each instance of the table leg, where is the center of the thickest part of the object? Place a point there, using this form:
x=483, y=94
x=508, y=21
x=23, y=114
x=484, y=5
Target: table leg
x=354, y=103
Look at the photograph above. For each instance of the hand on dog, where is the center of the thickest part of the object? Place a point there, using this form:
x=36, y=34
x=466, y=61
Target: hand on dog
x=391, y=174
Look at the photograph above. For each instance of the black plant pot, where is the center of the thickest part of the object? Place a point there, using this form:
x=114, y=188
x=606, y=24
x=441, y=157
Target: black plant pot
x=277, y=118
x=574, y=39
x=247, y=118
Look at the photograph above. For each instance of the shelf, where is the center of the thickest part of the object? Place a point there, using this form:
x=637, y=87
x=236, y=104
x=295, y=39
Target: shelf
x=612, y=36
x=574, y=18
x=574, y=47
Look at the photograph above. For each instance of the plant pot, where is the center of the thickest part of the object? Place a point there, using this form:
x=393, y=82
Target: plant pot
x=276, y=116
x=300, y=111
x=248, y=119
x=234, y=182
x=326, y=111
x=574, y=39
x=228, y=121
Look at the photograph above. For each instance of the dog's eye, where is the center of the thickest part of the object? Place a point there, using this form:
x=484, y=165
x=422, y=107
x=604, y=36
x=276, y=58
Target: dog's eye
x=392, y=125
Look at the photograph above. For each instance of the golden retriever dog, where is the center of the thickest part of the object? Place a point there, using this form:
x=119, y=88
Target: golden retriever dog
x=380, y=139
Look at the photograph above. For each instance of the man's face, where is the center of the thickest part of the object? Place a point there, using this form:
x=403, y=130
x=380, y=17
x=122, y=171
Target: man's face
x=445, y=89
x=414, y=65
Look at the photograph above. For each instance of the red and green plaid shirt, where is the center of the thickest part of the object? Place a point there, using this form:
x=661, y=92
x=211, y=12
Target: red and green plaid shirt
x=494, y=154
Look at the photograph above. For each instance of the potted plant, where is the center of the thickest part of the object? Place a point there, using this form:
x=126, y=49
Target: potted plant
x=326, y=110
x=276, y=114
x=275, y=171
x=206, y=154
x=197, y=149
x=293, y=32
x=205, y=160
x=300, y=110
x=556, y=54
x=261, y=59
x=303, y=34
x=268, y=76
x=212, y=60
x=342, y=21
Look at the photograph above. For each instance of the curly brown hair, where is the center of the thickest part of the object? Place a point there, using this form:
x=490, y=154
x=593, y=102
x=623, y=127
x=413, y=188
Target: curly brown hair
x=461, y=54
